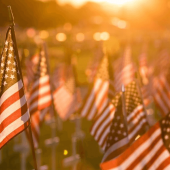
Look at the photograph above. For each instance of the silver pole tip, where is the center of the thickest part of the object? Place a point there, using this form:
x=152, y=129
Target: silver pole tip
x=123, y=88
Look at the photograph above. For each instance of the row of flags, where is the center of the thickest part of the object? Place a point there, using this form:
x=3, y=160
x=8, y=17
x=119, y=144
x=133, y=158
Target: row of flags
x=116, y=130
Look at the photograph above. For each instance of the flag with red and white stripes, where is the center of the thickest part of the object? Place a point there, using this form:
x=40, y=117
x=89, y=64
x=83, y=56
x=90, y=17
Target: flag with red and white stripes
x=40, y=95
x=161, y=93
x=124, y=70
x=14, y=114
x=67, y=98
x=136, y=119
x=151, y=151
x=97, y=98
x=101, y=125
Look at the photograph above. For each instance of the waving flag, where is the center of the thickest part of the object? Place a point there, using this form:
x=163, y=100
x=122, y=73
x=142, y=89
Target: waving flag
x=151, y=151
x=14, y=114
x=136, y=119
x=97, y=97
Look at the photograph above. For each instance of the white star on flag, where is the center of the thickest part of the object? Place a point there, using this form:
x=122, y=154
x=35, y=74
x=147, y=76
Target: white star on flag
x=5, y=83
x=10, y=55
x=7, y=69
x=13, y=70
x=9, y=62
x=12, y=77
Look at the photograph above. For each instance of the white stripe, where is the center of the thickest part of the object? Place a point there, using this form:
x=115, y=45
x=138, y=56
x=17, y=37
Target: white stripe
x=12, y=108
x=40, y=102
x=140, y=107
x=91, y=97
x=115, y=147
x=106, y=132
x=167, y=167
x=39, y=92
x=103, y=125
x=134, y=132
x=139, y=150
x=104, y=136
x=149, y=155
x=160, y=159
x=101, y=118
x=14, y=125
x=40, y=81
x=10, y=91
x=98, y=98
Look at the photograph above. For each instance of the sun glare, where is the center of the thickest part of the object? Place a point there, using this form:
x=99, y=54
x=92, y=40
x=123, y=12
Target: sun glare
x=81, y=2
x=116, y=2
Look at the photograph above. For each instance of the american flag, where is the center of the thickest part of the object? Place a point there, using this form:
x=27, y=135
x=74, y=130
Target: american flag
x=124, y=70
x=161, y=93
x=97, y=98
x=14, y=114
x=101, y=125
x=66, y=97
x=40, y=95
x=151, y=151
x=136, y=119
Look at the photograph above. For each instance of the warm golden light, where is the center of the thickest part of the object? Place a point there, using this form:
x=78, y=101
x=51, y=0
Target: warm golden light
x=104, y=36
x=61, y=37
x=43, y=34
x=65, y=152
x=80, y=37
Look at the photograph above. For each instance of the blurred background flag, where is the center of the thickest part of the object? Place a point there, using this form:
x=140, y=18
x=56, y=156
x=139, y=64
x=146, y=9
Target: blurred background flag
x=124, y=69
x=40, y=98
x=97, y=98
x=66, y=96
x=14, y=114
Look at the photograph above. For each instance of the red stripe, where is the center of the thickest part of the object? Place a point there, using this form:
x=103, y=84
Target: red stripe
x=40, y=96
x=39, y=86
x=12, y=99
x=94, y=100
x=164, y=164
x=40, y=107
x=14, y=133
x=13, y=116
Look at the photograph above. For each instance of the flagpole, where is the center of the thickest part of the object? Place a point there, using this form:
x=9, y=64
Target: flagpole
x=11, y=18
x=124, y=105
